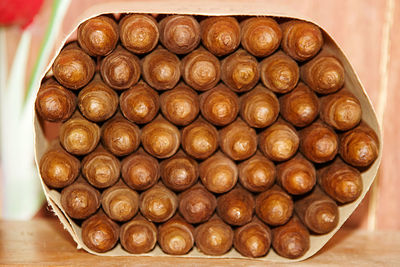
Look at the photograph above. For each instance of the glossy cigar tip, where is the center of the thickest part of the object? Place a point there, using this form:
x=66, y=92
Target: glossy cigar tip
x=293, y=245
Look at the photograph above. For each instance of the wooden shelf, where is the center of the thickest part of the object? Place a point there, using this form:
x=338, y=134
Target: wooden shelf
x=45, y=242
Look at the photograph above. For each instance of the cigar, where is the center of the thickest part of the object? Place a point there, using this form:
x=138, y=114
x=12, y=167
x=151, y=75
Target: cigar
x=291, y=240
x=238, y=140
x=99, y=233
x=97, y=102
x=197, y=204
x=80, y=200
x=218, y=173
x=200, y=139
x=101, y=168
x=261, y=36
x=341, y=110
x=279, y=73
x=274, y=206
x=120, y=69
x=259, y=107
x=340, y=181
x=219, y=105
x=119, y=136
x=98, y=36
x=79, y=136
x=179, y=34
x=138, y=33
x=239, y=71
x=140, y=103
x=318, y=142
x=236, y=207
x=220, y=35
x=180, y=105
x=279, y=142
x=55, y=103
x=160, y=138
x=179, y=172
x=301, y=40
x=359, y=147
x=140, y=171
x=300, y=107
x=158, y=204
x=138, y=235
x=57, y=167
x=119, y=202
x=318, y=212
x=73, y=68
x=213, y=237
x=324, y=73
x=257, y=174
x=297, y=175
x=252, y=239
x=176, y=237
x=161, y=69
x=201, y=70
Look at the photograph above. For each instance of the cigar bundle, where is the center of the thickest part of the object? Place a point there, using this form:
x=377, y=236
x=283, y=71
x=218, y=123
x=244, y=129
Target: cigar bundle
x=217, y=133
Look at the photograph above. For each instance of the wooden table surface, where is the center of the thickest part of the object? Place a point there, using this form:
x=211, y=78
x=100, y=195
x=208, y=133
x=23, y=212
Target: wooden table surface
x=44, y=242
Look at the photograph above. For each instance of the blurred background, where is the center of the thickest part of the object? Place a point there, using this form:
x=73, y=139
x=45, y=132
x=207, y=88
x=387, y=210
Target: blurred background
x=366, y=30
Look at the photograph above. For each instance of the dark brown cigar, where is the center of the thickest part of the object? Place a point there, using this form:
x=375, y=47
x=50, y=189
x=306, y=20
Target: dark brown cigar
x=120, y=136
x=161, y=69
x=279, y=73
x=98, y=36
x=55, y=103
x=214, y=237
x=139, y=33
x=218, y=173
x=201, y=70
x=140, y=103
x=160, y=138
x=96, y=101
x=318, y=212
x=120, y=202
x=274, y=206
x=318, y=142
x=101, y=168
x=73, y=68
x=261, y=36
x=259, y=107
x=79, y=136
x=120, y=69
x=57, y=167
x=297, y=175
x=179, y=34
x=359, y=147
x=236, y=207
x=80, y=200
x=279, y=142
x=220, y=35
x=239, y=71
x=200, y=139
x=140, y=171
x=253, y=239
x=179, y=172
x=257, y=174
x=197, y=204
x=176, y=237
x=238, y=140
x=301, y=40
x=299, y=107
x=138, y=235
x=99, y=233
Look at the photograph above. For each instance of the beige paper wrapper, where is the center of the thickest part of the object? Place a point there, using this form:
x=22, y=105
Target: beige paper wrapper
x=209, y=7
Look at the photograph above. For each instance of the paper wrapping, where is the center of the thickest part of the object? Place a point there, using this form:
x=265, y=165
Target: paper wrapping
x=209, y=7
